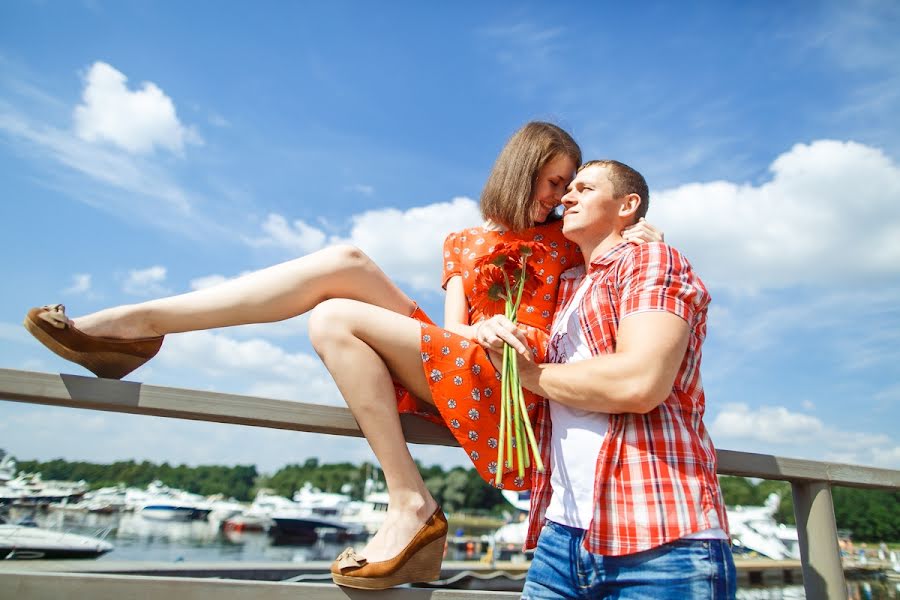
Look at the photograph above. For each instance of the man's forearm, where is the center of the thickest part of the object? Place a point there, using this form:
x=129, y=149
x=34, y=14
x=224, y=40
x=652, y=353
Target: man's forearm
x=636, y=378
x=612, y=383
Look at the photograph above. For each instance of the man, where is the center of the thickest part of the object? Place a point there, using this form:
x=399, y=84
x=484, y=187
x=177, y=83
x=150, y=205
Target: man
x=630, y=506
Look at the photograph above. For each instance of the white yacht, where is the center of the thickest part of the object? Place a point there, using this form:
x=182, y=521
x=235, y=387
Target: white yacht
x=7, y=467
x=27, y=542
x=162, y=503
x=29, y=489
x=754, y=529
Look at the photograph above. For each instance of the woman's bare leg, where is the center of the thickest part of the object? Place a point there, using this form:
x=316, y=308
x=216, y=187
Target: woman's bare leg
x=273, y=294
x=363, y=346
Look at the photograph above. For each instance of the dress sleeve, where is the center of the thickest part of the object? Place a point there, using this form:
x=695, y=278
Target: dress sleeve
x=452, y=258
x=656, y=277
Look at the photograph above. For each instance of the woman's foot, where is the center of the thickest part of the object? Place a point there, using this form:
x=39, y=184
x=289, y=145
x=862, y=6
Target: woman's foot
x=120, y=322
x=419, y=560
x=400, y=526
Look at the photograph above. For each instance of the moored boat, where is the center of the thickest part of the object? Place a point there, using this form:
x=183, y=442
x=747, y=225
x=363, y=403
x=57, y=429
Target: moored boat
x=18, y=542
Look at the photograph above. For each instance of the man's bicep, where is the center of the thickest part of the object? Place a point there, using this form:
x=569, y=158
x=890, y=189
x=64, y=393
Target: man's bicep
x=657, y=340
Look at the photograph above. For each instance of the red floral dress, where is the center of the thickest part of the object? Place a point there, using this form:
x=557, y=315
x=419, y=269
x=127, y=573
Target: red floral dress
x=464, y=385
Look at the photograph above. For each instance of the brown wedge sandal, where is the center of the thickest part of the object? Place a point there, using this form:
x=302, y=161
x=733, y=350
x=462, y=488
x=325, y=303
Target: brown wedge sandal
x=420, y=561
x=110, y=358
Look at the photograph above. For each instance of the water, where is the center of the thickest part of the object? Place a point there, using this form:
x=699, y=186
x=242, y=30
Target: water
x=139, y=539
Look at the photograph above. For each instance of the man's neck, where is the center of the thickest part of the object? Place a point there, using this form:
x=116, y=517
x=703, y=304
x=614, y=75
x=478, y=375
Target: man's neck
x=596, y=248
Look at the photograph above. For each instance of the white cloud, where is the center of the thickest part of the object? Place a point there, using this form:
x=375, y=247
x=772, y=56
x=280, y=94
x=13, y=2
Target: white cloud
x=81, y=284
x=297, y=237
x=146, y=282
x=407, y=244
x=778, y=430
x=829, y=217
x=271, y=370
x=137, y=121
x=207, y=281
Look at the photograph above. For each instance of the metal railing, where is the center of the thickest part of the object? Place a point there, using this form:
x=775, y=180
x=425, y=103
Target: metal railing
x=811, y=481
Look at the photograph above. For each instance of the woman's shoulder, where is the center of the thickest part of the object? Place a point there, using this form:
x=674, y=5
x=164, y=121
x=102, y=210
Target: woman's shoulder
x=465, y=238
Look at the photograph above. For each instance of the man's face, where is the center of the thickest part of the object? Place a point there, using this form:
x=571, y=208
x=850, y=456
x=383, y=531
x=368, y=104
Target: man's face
x=591, y=206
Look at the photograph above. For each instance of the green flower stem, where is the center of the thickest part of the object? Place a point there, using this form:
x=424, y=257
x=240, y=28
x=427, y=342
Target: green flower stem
x=532, y=442
x=517, y=417
x=509, y=413
x=525, y=422
x=500, y=437
x=506, y=384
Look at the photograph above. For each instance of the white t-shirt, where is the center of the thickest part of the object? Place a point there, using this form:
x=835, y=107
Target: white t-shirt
x=577, y=435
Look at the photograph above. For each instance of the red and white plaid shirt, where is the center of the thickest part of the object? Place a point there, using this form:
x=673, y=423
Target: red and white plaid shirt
x=655, y=478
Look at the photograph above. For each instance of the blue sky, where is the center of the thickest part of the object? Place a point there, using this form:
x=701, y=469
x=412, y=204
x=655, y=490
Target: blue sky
x=149, y=148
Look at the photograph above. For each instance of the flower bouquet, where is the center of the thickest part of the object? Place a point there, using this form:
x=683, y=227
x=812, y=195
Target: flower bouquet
x=504, y=277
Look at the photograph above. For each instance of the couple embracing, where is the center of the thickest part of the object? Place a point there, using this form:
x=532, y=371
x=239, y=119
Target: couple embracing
x=608, y=341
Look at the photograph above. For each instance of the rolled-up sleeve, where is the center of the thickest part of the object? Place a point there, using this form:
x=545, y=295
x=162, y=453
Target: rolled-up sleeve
x=656, y=277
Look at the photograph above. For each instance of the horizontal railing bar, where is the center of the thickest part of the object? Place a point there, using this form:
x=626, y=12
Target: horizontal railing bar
x=53, y=586
x=76, y=391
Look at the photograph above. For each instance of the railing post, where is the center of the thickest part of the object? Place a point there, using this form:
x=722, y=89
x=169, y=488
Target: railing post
x=823, y=573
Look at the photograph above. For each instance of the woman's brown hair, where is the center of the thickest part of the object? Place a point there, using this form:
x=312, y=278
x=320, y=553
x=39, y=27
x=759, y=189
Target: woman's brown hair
x=506, y=198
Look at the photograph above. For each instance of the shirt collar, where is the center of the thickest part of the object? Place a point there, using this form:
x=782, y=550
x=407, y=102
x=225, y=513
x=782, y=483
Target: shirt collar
x=609, y=257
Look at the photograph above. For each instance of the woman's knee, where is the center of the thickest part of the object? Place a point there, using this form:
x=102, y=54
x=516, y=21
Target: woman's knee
x=328, y=322
x=347, y=257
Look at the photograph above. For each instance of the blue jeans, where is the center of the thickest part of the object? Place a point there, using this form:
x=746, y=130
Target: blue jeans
x=680, y=570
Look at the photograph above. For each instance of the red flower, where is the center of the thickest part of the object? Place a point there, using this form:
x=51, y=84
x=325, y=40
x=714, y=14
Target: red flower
x=499, y=255
x=534, y=251
x=490, y=287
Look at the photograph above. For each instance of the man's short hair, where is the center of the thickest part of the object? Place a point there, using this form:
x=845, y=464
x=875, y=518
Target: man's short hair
x=625, y=180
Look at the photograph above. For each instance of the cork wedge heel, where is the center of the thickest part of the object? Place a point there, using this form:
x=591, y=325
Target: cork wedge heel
x=419, y=562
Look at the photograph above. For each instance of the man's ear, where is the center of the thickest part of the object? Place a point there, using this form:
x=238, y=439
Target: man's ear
x=629, y=206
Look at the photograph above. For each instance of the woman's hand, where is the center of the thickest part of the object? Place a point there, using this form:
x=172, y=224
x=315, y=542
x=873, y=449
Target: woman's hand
x=492, y=333
x=643, y=232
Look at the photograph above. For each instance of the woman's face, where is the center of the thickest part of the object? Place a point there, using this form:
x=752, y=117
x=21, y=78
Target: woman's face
x=552, y=180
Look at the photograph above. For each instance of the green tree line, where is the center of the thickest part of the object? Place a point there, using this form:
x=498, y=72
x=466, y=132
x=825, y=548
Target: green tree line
x=871, y=515
x=206, y=480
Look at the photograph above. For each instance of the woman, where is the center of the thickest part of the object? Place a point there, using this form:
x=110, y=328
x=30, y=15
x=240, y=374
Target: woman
x=526, y=184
